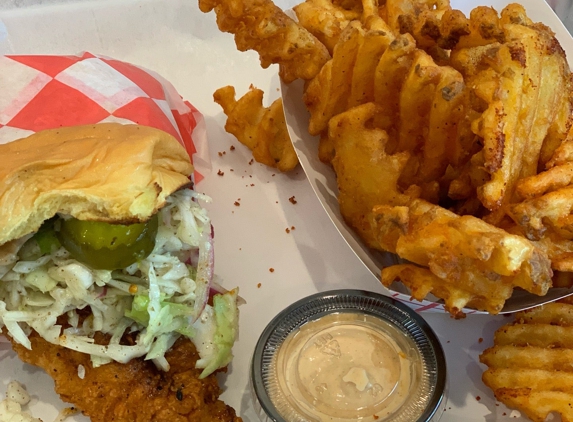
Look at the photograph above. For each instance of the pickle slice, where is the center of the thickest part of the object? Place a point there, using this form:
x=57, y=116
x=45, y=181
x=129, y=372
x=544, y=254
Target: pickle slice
x=46, y=237
x=108, y=246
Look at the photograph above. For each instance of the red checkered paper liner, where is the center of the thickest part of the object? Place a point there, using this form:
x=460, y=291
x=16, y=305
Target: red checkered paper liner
x=46, y=92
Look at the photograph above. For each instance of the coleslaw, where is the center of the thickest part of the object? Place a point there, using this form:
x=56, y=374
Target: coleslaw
x=161, y=298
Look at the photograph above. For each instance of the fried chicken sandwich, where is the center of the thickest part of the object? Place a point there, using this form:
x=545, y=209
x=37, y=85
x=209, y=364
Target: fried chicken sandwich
x=106, y=254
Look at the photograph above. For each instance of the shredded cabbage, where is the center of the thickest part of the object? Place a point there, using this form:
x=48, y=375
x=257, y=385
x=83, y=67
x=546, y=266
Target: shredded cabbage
x=162, y=297
x=12, y=408
x=216, y=349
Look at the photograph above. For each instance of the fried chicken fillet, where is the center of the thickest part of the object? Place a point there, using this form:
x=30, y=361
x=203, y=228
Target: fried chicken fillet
x=132, y=392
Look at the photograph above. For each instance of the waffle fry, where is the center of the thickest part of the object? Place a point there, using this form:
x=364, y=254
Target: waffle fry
x=325, y=20
x=525, y=67
x=327, y=94
x=261, y=129
x=529, y=366
x=361, y=164
x=431, y=23
x=548, y=198
x=261, y=26
x=559, y=250
x=466, y=261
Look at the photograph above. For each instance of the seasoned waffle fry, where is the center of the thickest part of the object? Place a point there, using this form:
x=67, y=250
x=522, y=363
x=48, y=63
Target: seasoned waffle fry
x=547, y=198
x=262, y=130
x=529, y=366
x=558, y=146
x=363, y=166
x=371, y=18
x=497, y=126
x=436, y=93
x=368, y=56
x=563, y=154
x=485, y=28
x=472, y=262
x=325, y=20
x=430, y=23
x=327, y=94
x=448, y=237
x=552, y=210
x=261, y=26
x=555, y=178
x=559, y=250
x=421, y=282
x=348, y=79
x=529, y=71
x=417, y=94
x=441, y=146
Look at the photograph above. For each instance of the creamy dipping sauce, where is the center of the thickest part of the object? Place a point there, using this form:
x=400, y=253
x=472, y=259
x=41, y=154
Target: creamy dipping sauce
x=345, y=366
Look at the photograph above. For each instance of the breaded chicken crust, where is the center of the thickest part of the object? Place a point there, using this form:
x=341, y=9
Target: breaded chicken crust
x=132, y=392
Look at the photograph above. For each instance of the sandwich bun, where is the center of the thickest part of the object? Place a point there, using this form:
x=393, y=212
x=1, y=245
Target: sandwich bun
x=105, y=172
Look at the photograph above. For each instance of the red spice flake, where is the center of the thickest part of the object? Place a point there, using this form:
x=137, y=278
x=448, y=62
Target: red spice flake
x=237, y=203
x=231, y=169
x=220, y=173
x=232, y=148
x=478, y=398
x=292, y=227
x=287, y=230
x=259, y=286
x=252, y=184
x=273, y=175
x=292, y=200
x=276, y=202
x=272, y=270
x=376, y=417
x=480, y=340
x=220, y=154
x=252, y=161
x=504, y=413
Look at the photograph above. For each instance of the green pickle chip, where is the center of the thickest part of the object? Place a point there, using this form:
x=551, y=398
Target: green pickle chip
x=46, y=237
x=108, y=246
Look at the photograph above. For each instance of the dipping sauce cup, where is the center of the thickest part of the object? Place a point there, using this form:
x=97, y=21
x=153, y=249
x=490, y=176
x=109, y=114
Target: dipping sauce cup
x=348, y=355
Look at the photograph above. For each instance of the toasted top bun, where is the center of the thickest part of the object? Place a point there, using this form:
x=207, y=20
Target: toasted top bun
x=105, y=172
